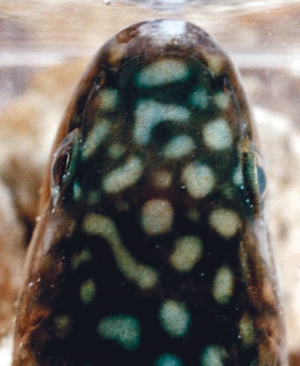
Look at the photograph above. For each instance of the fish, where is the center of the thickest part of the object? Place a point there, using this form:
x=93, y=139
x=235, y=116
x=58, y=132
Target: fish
x=151, y=247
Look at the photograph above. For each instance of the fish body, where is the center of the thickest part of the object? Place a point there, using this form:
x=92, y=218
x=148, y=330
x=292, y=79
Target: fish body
x=151, y=248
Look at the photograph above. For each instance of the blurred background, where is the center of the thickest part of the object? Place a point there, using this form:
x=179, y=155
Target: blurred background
x=45, y=46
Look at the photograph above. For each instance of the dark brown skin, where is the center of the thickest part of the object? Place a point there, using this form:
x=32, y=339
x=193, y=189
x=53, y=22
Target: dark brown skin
x=151, y=247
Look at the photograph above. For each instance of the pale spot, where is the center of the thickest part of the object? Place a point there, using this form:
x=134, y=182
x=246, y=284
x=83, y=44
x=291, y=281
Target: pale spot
x=144, y=276
x=124, y=329
x=116, y=52
x=217, y=134
x=82, y=257
x=222, y=100
x=164, y=31
x=157, y=216
x=215, y=64
x=213, y=356
x=102, y=226
x=77, y=192
x=168, y=359
x=223, y=285
x=237, y=178
x=200, y=98
x=109, y=98
x=124, y=176
x=175, y=318
x=179, y=147
x=162, y=179
x=87, y=291
x=62, y=325
x=115, y=151
x=96, y=137
x=247, y=330
x=199, y=179
x=225, y=221
x=150, y=113
x=187, y=252
x=163, y=72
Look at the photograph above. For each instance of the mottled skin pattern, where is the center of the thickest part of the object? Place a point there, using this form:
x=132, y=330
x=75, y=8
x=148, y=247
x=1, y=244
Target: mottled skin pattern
x=151, y=247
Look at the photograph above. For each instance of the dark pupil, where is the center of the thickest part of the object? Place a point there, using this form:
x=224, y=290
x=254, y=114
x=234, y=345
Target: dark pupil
x=60, y=166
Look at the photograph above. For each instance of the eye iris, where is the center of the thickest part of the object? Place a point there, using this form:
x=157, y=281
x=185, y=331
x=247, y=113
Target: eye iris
x=260, y=172
x=262, y=181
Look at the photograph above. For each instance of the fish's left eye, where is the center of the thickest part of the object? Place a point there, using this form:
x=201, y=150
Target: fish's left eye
x=262, y=181
x=61, y=165
x=254, y=178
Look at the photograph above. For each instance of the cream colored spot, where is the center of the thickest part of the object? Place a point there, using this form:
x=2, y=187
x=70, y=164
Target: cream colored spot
x=109, y=99
x=225, y=221
x=117, y=52
x=77, y=192
x=175, y=318
x=150, y=113
x=80, y=258
x=115, y=151
x=124, y=176
x=215, y=64
x=199, y=179
x=162, y=72
x=102, y=226
x=238, y=177
x=168, y=359
x=247, y=330
x=217, y=135
x=157, y=216
x=96, y=137
x=200, y=98
x=144, y=276
x=222, y=100
x=179, y=147
x=162, y=179
x=62, y=325
x=124, y=329
x=213, y=355
x=87, y=291
x=187, y=252
x=223, y=285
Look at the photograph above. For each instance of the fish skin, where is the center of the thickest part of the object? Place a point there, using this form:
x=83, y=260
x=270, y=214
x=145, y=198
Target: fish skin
x=151, y=248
